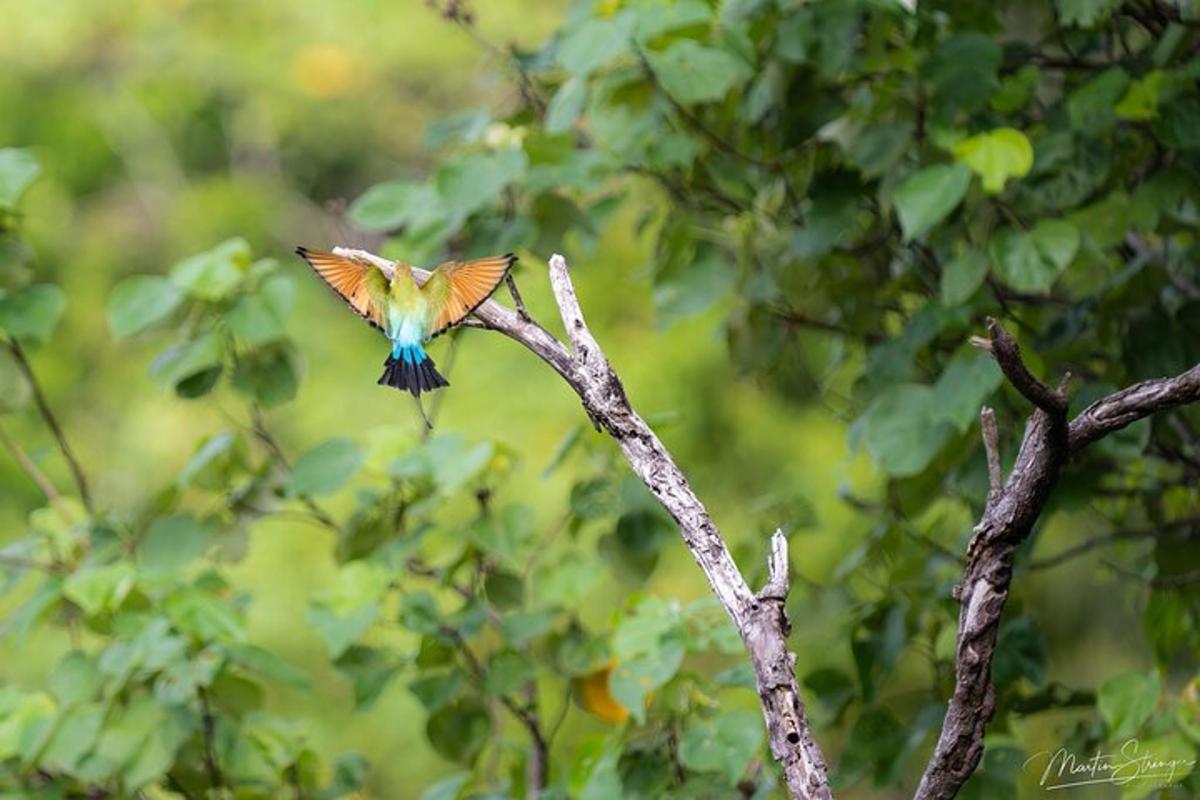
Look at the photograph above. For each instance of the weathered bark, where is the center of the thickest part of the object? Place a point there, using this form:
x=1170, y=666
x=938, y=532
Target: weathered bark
x=1011, y=510
x=1008, y=518
x=760, y=618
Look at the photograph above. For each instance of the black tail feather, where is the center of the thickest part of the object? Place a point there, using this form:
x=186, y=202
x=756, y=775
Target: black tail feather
x=415, y=378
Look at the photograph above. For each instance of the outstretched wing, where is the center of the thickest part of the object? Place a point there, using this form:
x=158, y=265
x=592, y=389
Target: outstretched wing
x=456, y=288
x=362, y=285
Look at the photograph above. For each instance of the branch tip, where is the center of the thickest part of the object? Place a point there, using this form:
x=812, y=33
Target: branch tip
x=776, y=587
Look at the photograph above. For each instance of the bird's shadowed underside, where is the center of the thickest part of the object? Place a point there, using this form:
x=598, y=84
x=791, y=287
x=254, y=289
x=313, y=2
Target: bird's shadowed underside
x=412, y=376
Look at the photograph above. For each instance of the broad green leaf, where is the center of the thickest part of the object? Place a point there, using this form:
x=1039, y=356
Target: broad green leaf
x=74, y=736
x=140, y=301
x=1032, y=261
x=255, y=320
x=508, y=671
x=594, y=43
x=75, y=678
x=177, y=365
x=1127, y=701
x=204, y=616
x=1141, y=99
x=268, y=665
x=172, y=542
x=903, y=433
x=467, y=184
x=370, y=670
x=658, y=17
x=395, y=204
x=213, y=275
x=632, y=680
x=927, y=197
x=968, y=380
x=459, y=731
x=963, y=275
x=18, y=169
x=32, y=313
x=1016, y=90
x=566, y=105
x=339, y=631
x=963, y=70
x=325, y=468
x=99, y=589
x=268, y=374
x=996, y=156
x=1085, y=13
x=694, y=73
x=1092, y=107
x=1057, y=241
x=723, y=744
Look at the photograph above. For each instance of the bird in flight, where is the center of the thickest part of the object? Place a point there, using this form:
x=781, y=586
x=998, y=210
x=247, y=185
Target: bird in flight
x=408, y=313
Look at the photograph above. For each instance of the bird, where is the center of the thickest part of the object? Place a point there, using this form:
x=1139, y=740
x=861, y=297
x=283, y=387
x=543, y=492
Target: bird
x=407, y=312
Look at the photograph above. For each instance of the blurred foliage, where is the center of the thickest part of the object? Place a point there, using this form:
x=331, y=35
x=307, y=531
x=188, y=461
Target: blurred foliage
x=845, y=189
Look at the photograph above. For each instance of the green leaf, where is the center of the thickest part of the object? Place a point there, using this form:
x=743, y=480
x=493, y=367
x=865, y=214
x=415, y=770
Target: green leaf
x=1127, y=701
x=1016, y=90
x=213, y=275
x=99, y=589
x=996, y=156
x=18, y=169
x=255, y=320
x=724, y=744
x=459, y=731
x=370, y=670
x=204, y=616
x=1033, y=261
x=325, y=468
x=395, y=204
x=903, y=432
x=472, y=182
x=140, y=301
x=32, y=313
x=75, y=679
x=507, y=672
x=74, y=736
x=631, y=681
x=963, y=275
x=694, y=73
x=339, y=631
x=192, y=368
x=1141, y=99
x=927, y=197
x=966, y=382
x=1092, y=107
x=1085, y=13
x=594, y=43
x=566, y=105
x=875, y=745
x=268, y=665
x=171, y=542
x=268, y=374
x=656, y=18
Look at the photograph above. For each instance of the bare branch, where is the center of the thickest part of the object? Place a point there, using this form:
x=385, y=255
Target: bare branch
x=1007, y=519
x=761, y=620
x=1127, y=406
x=776, y=587
x=1007, y=353
x=991, y=445
x=28, y=466
x=1186, y=528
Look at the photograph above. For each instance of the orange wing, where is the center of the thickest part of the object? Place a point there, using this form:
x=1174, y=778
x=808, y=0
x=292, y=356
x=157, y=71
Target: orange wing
x=461, y=286
x=360, y=285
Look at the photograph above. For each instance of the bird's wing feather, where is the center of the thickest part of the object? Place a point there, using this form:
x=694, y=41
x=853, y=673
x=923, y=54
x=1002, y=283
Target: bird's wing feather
x=456, y=288
x=361, y=284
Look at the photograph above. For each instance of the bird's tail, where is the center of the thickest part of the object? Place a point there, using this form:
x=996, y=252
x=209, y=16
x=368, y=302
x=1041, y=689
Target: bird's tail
x=411, y=369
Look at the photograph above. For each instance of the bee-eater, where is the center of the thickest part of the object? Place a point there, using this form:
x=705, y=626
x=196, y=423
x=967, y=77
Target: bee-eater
x=410, y=314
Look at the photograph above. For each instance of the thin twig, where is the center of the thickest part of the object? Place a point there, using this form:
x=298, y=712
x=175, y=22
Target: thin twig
x=991, y=446
x=28, y=466
x=43, y=407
